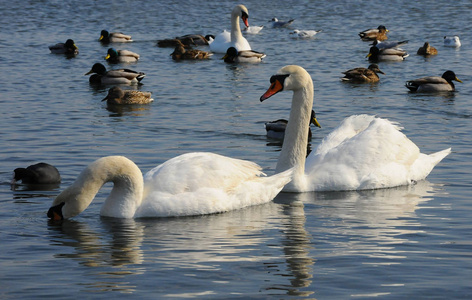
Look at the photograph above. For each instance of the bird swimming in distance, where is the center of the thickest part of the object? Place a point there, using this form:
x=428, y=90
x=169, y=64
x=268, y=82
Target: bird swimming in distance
x=114, y=37
x=432, y=84
x=392, y=54
x=100, y=75
x=304, y=34
x=118, y=96
x=379, y=34
x=68, y=48
x=427, y=50
x=361, y=75
x=275, y=23
x=235, y=38
x=245, y=56
x=182, y=53
x=121, y=56
x=452, y=41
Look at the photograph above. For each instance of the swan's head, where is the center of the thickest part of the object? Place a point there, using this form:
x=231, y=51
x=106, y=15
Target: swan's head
x=242, y=12
x=290, y=77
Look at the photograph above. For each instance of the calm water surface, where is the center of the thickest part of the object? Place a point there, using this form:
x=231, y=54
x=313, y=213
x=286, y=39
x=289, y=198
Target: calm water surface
x=403, y=243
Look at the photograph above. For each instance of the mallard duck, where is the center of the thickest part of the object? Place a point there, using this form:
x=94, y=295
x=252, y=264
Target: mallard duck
x=233, y=56
x=427, y=49
x=121, y=56
x=452, y=41
x=114, y=37
x=120, y=76
x=68, y=48
x=387, y=45
x=187, y=40
x=363, y=152
x=276, y=129
x=360, y=75
x=304, y=34
x=379, y=34
x=433, y=84
x=392, y=54
x=189, y=54
x=41, y=173
x=224, y=40
x=118, y=96
x=275, y=23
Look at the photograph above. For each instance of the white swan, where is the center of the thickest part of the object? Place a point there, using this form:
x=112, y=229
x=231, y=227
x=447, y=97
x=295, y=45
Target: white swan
x=364, y=152
x=234, y=39
x=190, y=184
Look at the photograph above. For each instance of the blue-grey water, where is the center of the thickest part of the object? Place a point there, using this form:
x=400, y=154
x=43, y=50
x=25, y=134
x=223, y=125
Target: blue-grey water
x=402, y=243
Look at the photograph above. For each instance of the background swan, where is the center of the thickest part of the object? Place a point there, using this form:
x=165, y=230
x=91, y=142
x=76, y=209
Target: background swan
x=364, y=152
x=235, y=39
x=190, y=184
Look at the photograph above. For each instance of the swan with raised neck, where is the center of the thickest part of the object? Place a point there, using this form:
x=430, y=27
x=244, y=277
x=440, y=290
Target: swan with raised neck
x=190, y=184
x=235, y=38
x=364, y=152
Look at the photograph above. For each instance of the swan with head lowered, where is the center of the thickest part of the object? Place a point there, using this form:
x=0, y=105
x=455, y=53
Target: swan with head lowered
x=234, y=39
x=187, y=185
x=364, y=152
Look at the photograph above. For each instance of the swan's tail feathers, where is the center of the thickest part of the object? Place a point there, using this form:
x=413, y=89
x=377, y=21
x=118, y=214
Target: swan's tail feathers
x=438, y=156
x=425, y=164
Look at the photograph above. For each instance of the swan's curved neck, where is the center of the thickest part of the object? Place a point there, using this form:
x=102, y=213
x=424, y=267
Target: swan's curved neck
x=235, y=27
x=294, y=147
x=125, y=196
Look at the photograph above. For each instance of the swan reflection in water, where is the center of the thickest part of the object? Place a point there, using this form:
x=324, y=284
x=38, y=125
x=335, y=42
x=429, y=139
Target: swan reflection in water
x=273, y=246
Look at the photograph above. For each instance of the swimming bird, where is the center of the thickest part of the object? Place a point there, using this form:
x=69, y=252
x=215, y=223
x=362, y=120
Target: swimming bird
x=275, y=23
x=187, y=185
x=68, y=48
x=433, y=84
x=121, y=56
x=40, y=173
x=253, y=29
x=388, y=44
x=360, y=75
x=187, y=40
x=119, y=76
x=391, y=54
x=304, y=34
x=234, y=39
x=427, y=49
x=250, y=56
x=276, y=129
x=379, y=34
x=188, y=54
x=114, y=37
x=363, y=152
x=118, y=96
x=452, y=41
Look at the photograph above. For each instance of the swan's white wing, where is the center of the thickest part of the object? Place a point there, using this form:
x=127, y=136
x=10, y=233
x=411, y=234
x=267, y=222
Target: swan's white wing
x=221, y=43
x=203, y=183
x=365, y=152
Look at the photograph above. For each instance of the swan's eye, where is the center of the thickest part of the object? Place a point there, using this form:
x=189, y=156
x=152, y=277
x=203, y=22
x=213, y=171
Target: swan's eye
x=244, y=15
x=280, y=78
